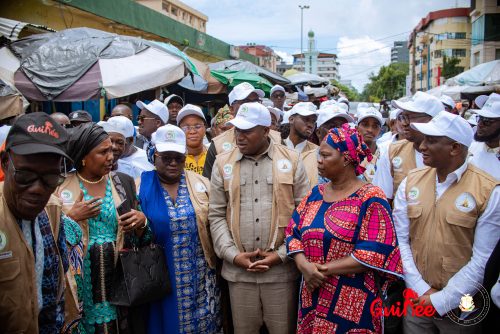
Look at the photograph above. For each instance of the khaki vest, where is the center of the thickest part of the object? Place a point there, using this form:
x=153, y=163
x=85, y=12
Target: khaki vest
x=69, y=192
x=370, y=167
x=442, y=231
x=226, y=141
x=402, y=160
x=18, y=292
x=283, y=200
x=199, y=189
x=310, y=161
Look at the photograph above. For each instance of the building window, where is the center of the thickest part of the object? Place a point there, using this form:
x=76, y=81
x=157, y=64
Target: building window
x=174, y=11
x=497, y=53
x=458, y=53
x=438, y=54
x=492, y=27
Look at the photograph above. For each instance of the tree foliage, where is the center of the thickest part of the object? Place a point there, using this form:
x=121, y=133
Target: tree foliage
x=450, y=68
x=350, y=92
x=388, y=84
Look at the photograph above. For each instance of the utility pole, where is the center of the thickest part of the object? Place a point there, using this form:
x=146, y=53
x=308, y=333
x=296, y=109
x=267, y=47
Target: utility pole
x=302, y=7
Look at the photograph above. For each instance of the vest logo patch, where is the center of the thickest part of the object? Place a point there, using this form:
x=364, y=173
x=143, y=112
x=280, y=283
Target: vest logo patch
x=370, y=170
x=200, y=187
x=413, y=193
x=397, y=161
x=465, y=202
x=226, y=146
x=67, y=196
x=228, y=170
x=3, y=240
x=284, y=165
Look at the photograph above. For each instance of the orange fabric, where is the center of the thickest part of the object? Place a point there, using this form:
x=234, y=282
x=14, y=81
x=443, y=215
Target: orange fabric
x=2, y=176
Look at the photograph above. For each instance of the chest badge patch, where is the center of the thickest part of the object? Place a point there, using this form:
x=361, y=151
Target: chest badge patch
x=413, y=193
x=284, y=165
x=3, y=240
x=66, y=196
x=370, y=169
x=465, y=202
x=397, y=161
x=228, y=170
x=200, y=187
x=226, y=146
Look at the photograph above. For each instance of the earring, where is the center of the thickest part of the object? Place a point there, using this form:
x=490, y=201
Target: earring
x=83, y=163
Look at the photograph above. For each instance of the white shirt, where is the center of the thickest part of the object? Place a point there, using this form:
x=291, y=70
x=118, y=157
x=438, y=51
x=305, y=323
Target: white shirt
x=300, y=146
x=135, y=164
x=4, y=131
x=386, y=137
x=485, y=158
x=383, y=178
x=486, y=236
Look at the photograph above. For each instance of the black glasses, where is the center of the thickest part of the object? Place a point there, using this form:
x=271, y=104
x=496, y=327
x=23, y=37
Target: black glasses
x=167, y=159
x=405, y=119
x=142, y=118
x=26, y=177
x=485, y=120
x=278, y=96
x=196, y=127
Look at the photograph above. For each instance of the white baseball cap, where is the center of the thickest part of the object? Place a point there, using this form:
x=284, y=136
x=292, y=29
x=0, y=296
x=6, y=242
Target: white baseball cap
x=328, y=103
x=491, y=108
x=190, y=109
x=480, y=100
x=393, y=114
x=370, y=112
x=169, y=138
x=241, y=92
x=332, y=111
x=122, y=125
x=276, y=112
x=250, y=115
x=304, y=109
x=361, y=106
x=156, y=107
x=277, y=88
x=421, y=103
x=445, y=99
x=169, y=99
x=286, y=117
x=448, y=125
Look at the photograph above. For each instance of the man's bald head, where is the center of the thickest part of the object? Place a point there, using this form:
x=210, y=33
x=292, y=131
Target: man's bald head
x=60, y=118
x=122, y=110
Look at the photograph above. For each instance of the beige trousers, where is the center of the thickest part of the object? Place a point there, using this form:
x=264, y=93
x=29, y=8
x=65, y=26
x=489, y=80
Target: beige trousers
x=272, y=304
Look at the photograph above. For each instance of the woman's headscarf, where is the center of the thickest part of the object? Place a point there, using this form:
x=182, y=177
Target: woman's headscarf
x=83, y=139
x=350, y=143
x=223, y=116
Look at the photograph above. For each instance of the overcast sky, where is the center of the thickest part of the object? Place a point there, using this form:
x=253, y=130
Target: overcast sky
x=360, y=32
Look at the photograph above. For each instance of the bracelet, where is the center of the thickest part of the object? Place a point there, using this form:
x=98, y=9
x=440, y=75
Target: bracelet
x=142, y=228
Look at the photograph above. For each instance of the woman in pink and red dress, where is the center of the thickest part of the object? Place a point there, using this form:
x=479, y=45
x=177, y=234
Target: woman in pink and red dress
x=342, y=239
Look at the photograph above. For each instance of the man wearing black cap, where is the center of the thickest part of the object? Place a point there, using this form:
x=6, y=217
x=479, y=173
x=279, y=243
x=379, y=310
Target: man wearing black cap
x=79, y=117
x=33, y=256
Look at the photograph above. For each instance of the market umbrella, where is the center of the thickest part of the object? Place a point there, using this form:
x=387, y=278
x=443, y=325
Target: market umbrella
x=302, y=78
x=12, y=103
x=233, y=78
x=248, y=67
x=82, y=64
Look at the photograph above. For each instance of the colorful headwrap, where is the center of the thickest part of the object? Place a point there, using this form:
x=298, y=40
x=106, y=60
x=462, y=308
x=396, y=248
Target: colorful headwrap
x=350, y=143
x=223, y=115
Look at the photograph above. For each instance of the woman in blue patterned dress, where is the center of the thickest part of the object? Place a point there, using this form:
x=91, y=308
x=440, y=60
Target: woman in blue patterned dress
x=176, y=205
x=90, y=197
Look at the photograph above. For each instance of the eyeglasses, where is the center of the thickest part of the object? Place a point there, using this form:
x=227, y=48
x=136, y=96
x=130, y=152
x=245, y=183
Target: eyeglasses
x=196, y=127
x=405, y=119
x=142, y=118
x=167, y=159
x=26, y=178
x=485, y=120
x=278, y=96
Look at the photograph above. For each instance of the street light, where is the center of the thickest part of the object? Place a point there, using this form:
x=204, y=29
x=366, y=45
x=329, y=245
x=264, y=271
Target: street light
x=302, y=27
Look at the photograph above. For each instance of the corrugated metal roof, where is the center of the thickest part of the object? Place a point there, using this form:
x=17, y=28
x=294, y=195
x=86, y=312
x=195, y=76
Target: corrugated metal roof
x=11, y=28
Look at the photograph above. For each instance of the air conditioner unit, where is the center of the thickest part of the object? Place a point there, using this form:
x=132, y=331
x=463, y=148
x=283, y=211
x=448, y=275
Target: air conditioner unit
x=234, y=52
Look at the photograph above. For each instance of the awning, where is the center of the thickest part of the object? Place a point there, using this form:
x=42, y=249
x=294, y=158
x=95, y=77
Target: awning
x=13, y=30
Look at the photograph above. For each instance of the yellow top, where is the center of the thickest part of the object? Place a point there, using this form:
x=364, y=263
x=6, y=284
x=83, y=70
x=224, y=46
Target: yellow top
x=196, y=163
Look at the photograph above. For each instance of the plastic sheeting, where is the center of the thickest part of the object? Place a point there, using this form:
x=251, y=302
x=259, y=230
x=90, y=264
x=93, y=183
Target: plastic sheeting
x=307, y=78
x=248, y=67
x=482, y=74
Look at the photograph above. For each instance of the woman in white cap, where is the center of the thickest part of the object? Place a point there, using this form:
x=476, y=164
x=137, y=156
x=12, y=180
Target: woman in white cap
x=175, y=202
x=192, y=121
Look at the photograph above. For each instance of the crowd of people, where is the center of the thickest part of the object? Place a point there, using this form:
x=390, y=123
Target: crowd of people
x=272, y=218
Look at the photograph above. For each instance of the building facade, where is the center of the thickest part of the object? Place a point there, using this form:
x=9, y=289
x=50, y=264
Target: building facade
x=400, y=53
x=282, y=67
x=178, y=11
x=266, y=56
x=443, y=33
x=312, y=61
x=485, y=18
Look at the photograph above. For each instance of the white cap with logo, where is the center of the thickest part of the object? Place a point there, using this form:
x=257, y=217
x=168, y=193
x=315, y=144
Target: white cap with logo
x=250, y=115
x=445, y=99
x=156, y=107
x=169, y=138
x=122, y=125
x=277, y=88
x=448, y=125
x=190, y=109
x=286, y=117
x=332, y=111
x=421, y=103
x=491, y=108
x=241, y=92
x=370, y=112
x=276, y=112
x=327, y=103
x=393, y=114
x=304, y=109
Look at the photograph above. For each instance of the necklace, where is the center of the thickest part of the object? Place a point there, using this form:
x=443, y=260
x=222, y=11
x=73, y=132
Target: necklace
x=87, y=181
